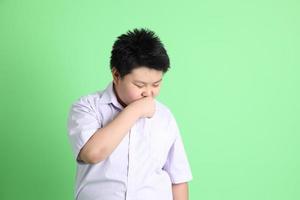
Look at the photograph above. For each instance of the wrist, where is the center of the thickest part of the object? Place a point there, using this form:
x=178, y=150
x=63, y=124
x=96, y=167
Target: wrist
x=133, y=111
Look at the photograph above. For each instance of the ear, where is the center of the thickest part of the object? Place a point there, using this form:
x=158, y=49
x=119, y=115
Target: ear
x=115, y=74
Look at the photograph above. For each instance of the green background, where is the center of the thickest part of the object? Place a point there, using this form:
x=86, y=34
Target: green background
x=233, y=88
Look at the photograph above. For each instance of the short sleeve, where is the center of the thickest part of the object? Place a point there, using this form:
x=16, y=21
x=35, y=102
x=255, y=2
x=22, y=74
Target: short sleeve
x=177, y=164
x=83, y=122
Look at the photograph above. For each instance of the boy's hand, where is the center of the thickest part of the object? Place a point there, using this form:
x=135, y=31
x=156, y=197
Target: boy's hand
x=145, y=106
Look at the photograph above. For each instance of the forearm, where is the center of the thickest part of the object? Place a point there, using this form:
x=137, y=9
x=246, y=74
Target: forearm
x=107, y=138
x=180, y=191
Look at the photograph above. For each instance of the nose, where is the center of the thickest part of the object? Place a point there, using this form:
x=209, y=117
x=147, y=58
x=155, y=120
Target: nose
x=147, y=92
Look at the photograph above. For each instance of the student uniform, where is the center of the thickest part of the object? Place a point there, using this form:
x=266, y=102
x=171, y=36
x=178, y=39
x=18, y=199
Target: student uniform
x=149, y=159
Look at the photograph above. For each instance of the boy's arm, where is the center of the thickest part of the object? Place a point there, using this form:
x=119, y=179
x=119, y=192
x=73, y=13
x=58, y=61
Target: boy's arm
x=180, y=191
x=104, y=141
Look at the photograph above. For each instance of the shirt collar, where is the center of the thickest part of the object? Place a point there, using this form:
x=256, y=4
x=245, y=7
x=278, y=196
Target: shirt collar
x=109, y=97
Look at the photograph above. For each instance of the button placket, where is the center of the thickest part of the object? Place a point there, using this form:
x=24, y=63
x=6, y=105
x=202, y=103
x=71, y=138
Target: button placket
x=130, y=169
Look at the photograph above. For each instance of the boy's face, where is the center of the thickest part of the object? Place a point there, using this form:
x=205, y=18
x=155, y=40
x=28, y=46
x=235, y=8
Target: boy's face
x=141, y=82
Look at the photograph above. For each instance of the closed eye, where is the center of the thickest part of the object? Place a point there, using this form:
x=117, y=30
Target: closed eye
x=139, y=86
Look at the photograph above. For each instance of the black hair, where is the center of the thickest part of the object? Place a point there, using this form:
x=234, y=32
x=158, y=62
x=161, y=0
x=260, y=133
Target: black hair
x=137, y=48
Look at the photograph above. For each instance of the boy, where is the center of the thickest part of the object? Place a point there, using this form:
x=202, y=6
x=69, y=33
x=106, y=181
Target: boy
x=127, y=145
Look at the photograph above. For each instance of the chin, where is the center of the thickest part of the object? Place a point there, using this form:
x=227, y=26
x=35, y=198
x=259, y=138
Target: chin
x=132, y=101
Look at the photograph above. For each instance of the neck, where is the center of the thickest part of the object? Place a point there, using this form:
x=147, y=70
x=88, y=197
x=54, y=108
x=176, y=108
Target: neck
x=118, y=98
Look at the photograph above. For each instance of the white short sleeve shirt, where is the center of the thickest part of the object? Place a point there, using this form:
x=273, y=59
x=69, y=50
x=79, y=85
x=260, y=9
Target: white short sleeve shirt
x=149, y=159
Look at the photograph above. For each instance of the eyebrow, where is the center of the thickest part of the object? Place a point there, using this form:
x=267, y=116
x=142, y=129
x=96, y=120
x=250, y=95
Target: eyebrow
x=145, y=82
